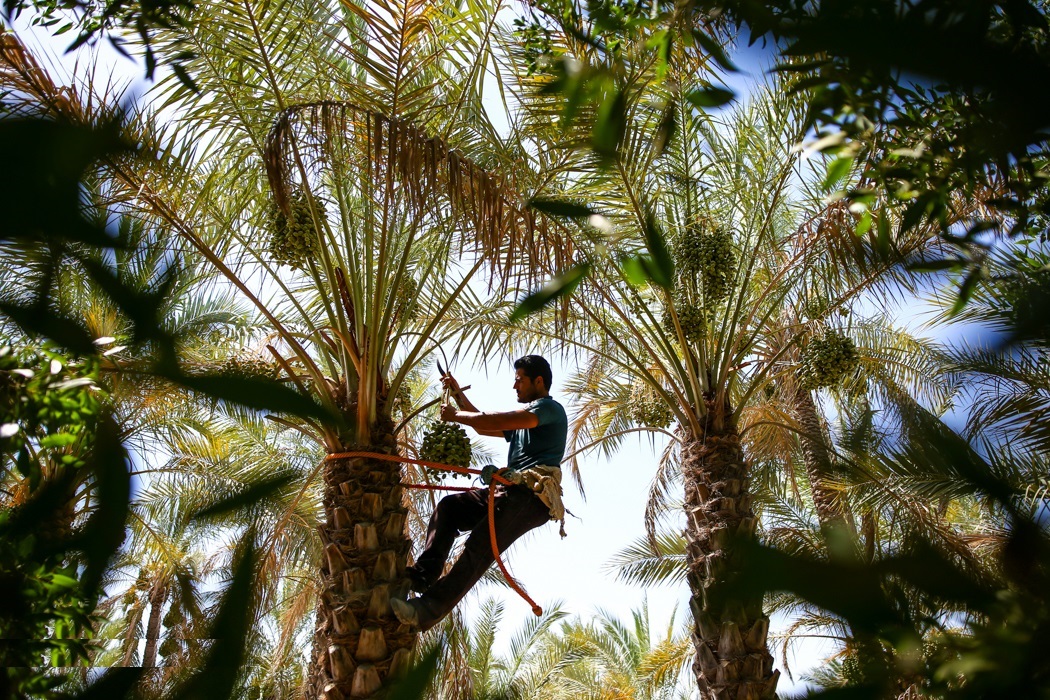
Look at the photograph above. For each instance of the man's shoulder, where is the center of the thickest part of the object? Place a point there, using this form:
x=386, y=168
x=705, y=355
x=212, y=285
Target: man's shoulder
x=547, y=404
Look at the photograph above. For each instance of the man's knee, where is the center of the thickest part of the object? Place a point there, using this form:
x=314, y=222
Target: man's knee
x=448, y=505
x=476, y=554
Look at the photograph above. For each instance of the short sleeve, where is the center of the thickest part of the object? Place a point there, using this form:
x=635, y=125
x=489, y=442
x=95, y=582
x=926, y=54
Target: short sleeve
x=545, y=411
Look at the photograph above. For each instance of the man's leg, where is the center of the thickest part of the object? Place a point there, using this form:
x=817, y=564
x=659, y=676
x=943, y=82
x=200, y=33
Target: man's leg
x=452, y=515
x=517, y=510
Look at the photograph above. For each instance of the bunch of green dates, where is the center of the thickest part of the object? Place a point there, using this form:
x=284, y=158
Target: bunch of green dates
x=703, y=252
x=648, y=408
x=293, y=236
x=446, y=443
x=827, y=360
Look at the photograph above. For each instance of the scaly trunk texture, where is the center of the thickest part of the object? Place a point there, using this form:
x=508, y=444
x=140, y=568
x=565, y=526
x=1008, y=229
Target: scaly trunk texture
x=57, y=526
x=157, y=598
x=867, y=521
x=131, y=642
x=732, y=656
x=815, y=456
x=358, y=643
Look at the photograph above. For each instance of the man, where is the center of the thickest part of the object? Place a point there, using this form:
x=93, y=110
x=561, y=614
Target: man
x=537, y=436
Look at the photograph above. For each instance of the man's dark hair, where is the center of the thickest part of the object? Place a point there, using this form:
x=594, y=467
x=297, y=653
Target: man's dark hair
x=533, y=366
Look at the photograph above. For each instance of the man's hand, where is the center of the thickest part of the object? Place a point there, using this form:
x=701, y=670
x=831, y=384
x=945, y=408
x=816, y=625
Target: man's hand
x=449, y=412
x=456, y=391
x=450, y=383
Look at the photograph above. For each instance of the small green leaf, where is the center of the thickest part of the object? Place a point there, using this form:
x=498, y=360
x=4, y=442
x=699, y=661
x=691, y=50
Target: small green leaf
x=61, y=581
x=256, y=393
x=247, y=497
x=415, y=682
x=218, y=674
x=634, y=270
x=937, y=265
x=711, y=46
x=104, y=532
x=610, y=124
x=837, y=170
x=914, y=212
x=864, y=224
x=661, y=42
x=60, y=439
x=184, y=77
x=665, y=132
x=573, y=89
x=706, y=98
x=559, y=286
x=882, y=242
x=586, y=38
x=560, y=207
x=25, y=467
x=662, y=264
x=63, y=330
x=966, y=291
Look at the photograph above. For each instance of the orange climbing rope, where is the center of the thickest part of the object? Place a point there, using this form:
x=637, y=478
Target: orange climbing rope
x=437, y=487
x=536, y=609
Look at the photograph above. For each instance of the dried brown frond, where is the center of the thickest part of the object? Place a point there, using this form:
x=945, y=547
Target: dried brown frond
x=666, y=480
x=425, y=172
x=768, y=431
x=23, y=76
x=300, y=605
x=31, y=90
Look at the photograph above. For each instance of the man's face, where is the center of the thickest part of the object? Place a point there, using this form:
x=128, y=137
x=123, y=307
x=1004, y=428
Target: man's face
x=525, y=387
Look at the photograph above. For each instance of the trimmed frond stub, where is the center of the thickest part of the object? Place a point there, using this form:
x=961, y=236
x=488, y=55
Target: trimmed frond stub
x=321, y=141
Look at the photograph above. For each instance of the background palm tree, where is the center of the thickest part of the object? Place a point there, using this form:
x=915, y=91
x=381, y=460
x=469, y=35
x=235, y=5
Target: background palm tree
x=383, y=208
x=609, y=658
x=685, y=355
x=470, y=664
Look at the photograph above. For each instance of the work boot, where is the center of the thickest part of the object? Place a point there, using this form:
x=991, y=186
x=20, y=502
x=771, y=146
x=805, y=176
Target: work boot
x=405, y=612
x=413, y=613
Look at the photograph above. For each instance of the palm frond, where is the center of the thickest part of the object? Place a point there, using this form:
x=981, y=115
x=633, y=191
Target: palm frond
x=645, y=563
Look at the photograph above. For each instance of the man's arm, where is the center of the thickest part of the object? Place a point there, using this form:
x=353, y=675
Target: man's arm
x=461, y=398
x=491, y=424
x=465, y=405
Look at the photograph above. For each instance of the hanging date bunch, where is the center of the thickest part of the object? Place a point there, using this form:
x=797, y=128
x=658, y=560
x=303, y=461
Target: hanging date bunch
x=400, y=403
x=827, y=360
x=691, y=317
x=406, y=298
x=293, y=236
x=813, y=308
x=446, y=443
x=703, y=255
x=249, y=367
x=648, y=408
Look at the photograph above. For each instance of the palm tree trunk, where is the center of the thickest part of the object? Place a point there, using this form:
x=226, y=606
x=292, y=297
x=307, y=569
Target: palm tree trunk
x=131, y=639
x=358, y=643
x=729, y=634
x=867, y=521
x=157, y=598
x=829, y=506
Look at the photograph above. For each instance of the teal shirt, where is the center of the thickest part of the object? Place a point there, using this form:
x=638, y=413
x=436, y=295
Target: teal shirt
x=544, y=444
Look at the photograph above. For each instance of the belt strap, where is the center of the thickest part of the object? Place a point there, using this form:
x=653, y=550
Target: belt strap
x=545, y=482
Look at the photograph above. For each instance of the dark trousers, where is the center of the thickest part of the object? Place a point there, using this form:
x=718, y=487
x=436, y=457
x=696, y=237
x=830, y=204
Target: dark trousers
x=517, y=510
